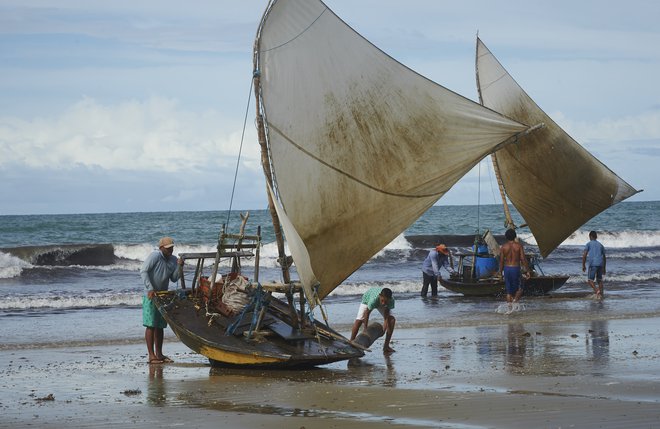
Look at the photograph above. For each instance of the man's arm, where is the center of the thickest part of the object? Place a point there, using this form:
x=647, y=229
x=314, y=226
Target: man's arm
x=523, y=258
x=366, y=319
x=501, y=259
x=144, y=273
x=386, y=318
x=446, y=260
x=434, y=264
x=523, y=261
x=584, y=261
x=175, y=274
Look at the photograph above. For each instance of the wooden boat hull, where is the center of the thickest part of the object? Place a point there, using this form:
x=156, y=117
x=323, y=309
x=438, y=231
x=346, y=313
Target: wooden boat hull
x=276, y=344
x=539, y=285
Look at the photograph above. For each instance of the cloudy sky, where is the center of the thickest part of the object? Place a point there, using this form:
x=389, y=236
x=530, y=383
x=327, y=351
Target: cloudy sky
x=139, y=105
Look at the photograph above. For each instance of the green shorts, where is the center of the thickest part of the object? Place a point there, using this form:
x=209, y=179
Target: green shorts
x=151, y=317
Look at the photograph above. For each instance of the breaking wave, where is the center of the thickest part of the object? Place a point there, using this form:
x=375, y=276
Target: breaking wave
x=77, y=301
x=104, y=256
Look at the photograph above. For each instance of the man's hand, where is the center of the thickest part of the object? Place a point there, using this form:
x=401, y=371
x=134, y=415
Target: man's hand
x=150, y=294
x=179, y=261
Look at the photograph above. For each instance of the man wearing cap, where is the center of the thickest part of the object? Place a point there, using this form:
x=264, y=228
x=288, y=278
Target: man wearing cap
x=436, y=259
x=157, y=271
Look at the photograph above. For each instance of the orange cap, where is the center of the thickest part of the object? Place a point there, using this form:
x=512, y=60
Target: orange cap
x=442, y=249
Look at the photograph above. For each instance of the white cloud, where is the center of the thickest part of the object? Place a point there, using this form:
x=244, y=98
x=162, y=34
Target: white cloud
x=608, y=134
x=149, y=135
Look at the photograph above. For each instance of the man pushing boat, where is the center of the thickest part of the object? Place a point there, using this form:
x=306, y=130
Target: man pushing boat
x=381, y=299
x=512, y=261
x=158, y=270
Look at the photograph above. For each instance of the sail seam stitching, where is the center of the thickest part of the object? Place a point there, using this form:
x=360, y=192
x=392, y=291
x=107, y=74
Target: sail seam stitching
x=382, y=191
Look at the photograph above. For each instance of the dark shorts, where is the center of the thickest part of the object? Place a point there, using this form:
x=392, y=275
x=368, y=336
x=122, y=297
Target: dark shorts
x=595, y=273
x=512, y=279
x=151, y=317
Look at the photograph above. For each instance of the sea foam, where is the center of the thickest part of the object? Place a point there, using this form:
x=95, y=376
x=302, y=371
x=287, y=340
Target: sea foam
x=11, y=266
x=618, y=239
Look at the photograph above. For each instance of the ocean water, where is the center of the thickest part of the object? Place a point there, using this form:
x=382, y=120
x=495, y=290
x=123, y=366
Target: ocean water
x=74, y=279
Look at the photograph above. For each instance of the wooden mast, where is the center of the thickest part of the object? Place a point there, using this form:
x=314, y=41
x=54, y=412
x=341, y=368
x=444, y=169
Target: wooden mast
x=265, y=159
x=508, y=221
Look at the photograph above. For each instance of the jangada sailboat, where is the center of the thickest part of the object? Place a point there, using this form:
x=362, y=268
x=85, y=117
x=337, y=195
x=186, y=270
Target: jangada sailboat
x=555, y=184
x=350, y=141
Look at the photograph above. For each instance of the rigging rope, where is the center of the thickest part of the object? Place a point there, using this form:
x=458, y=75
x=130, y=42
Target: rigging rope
x=490, y=180
x=479, y=201
x=238, y=159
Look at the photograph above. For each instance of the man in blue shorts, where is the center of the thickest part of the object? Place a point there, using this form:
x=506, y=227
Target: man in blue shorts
x=381, y=299
x=157, y=271
x=594, y=254
x=512, y=258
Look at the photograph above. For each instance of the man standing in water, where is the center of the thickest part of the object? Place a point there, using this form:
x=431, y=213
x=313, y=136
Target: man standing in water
x=594, y=253
x=512, y=258
x=436, y=259
x=383, y=300
x=157, y=271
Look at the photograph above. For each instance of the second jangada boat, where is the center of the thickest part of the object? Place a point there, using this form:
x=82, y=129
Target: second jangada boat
x=555, y=184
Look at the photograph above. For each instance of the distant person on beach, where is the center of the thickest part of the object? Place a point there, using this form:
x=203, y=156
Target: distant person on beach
x=594, y=254
x=157, y=271
x=436, y=259
x=381, y=299
x=512, y=261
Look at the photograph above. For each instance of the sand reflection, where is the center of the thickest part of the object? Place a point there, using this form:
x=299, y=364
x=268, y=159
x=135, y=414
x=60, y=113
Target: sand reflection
x=516, y=346
x=156, y=387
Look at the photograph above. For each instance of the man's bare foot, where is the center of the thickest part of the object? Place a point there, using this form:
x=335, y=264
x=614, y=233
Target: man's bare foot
x=388, y=350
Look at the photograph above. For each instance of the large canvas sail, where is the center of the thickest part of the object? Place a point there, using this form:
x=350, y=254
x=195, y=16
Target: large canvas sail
x=359, y=145
x=554, y=182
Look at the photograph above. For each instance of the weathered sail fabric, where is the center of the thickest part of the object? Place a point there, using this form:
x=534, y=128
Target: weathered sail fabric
x=360, y=145
x=297, y=247
x=555, y=183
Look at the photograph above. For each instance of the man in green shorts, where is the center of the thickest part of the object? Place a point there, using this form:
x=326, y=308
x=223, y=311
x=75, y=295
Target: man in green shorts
x=157, y=271
x=381, y=299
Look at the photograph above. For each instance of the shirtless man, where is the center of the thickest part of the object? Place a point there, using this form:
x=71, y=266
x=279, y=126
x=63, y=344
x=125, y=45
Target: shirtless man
x=512, y=257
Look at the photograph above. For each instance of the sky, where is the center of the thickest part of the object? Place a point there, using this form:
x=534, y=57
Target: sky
x=133, y=106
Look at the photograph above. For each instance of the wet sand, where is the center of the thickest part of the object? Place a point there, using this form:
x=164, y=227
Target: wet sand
x=514, y=374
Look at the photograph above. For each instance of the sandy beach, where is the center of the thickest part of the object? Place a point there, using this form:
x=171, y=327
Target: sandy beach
x=514, y=374
x=72, y=351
